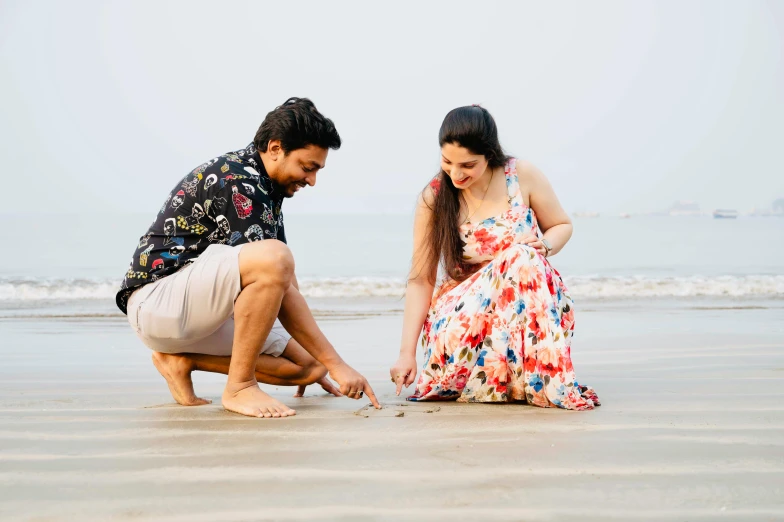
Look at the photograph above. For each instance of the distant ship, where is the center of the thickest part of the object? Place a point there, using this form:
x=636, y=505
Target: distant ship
x=685, y=208
x=725, y=214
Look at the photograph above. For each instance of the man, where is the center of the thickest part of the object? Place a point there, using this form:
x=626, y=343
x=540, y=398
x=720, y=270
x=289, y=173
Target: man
x=213, y=273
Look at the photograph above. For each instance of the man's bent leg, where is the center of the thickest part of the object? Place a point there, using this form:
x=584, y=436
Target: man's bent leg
x=177, y=372
x=266, y=271
x=174, y=314
x=294, y=367
x=282, y=362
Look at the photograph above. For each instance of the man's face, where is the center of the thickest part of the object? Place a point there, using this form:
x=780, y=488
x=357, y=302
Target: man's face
x=298, y=168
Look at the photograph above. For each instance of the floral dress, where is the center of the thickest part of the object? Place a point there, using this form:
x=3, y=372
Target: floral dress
x=503, y=334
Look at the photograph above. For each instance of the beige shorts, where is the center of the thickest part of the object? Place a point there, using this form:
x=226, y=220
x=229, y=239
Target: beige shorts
x=192, y=311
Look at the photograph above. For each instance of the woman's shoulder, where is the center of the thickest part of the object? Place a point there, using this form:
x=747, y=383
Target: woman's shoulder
x=522, y=166
x=526, y=171
x=428, y=194
x=427, y=198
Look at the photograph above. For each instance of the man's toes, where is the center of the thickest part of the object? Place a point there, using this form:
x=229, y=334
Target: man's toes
x=266, y=413
x=284, y=410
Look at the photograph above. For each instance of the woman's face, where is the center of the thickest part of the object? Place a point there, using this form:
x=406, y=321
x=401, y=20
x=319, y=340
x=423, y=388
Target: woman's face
x=461, y=165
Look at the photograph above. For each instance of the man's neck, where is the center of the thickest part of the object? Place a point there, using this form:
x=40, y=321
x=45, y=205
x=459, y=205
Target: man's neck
x=270, y=169
x=268, y=165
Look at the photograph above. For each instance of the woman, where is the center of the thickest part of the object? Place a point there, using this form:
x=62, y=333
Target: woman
x=500, y=324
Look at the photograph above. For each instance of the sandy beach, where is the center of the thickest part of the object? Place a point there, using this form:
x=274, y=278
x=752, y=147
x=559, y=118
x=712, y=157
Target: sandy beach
x=635, y=144
x=691, y=428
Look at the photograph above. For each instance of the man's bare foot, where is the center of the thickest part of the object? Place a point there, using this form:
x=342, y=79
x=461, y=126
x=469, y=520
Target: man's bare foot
x=177, y=369
x=248, y=399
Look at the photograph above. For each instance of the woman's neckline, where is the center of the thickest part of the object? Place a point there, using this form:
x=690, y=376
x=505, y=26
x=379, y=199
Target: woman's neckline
x=510, y=200
x=495, y=217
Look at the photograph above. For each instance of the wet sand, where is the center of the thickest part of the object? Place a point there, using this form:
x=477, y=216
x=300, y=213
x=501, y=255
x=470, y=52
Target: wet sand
x=691, y=428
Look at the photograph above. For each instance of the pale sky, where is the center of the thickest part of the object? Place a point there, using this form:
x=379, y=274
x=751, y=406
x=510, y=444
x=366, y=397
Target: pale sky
x=625, y=106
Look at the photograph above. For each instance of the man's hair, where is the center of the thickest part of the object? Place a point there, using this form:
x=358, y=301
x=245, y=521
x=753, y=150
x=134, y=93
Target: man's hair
x=297, y=123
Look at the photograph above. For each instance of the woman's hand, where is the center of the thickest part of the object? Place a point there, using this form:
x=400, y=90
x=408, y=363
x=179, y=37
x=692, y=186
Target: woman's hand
x=534, y=242
x=403, y=372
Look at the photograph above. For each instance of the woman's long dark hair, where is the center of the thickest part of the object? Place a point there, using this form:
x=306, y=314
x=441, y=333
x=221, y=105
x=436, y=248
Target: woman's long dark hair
x=473, y=128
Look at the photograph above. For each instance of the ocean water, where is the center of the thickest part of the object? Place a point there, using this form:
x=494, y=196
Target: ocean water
x=78, y=258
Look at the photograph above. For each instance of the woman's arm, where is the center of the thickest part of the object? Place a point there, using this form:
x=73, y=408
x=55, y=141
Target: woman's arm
x=553, y=220
x=419, y=292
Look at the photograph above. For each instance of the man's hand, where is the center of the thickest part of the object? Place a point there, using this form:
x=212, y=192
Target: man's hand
x=324, y=383
x=352, y=384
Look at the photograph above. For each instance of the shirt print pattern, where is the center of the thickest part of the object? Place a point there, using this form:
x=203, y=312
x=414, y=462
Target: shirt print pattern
x=229, y=200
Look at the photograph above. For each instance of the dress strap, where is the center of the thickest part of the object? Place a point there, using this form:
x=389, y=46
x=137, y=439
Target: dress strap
x=513, y=183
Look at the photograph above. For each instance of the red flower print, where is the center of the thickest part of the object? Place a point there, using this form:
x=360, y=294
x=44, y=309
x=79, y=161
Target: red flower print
x=533, y=284
x=529, y=363
x=481, y=235
x=550, y=282
x=503, y=266
x=461, y=378
x=506, y=297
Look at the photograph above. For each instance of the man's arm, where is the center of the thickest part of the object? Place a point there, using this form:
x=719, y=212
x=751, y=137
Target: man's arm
x=296, y=318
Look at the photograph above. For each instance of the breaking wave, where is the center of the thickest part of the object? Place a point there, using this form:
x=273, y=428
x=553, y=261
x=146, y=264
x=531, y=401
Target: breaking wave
x=581, y=287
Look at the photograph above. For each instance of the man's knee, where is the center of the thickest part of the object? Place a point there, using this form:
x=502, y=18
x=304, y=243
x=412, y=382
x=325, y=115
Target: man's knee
x=313, y=373
x=269, y=261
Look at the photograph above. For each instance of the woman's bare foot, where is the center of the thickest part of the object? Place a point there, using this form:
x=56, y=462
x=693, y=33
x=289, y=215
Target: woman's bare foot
x=248, y=399
x=177, y=369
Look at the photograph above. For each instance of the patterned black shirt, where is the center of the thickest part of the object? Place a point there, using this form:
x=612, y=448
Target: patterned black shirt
x=230, y=200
